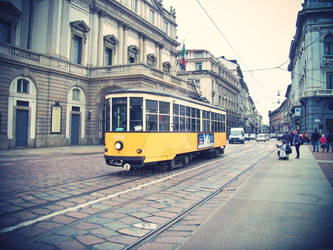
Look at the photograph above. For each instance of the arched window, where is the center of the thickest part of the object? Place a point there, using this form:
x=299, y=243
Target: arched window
x=166, y=67
x=76, y=95
x=151, y=60
x=328, y=45
x=133, y=54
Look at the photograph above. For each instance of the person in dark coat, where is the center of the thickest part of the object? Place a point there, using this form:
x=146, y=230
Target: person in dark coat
x=296, y=143
x=329, y=141
x=315, y=140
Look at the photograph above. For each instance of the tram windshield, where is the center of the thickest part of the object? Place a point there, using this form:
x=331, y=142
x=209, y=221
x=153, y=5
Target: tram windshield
x=119, y=114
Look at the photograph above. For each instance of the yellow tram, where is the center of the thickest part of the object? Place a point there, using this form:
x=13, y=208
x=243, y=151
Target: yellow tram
x=150, y=126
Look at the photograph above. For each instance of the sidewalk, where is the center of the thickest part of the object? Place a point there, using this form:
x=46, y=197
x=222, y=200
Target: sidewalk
x=285, y=205
x=51, y=151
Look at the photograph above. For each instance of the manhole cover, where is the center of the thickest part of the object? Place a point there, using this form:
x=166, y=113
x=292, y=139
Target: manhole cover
x=146, y=225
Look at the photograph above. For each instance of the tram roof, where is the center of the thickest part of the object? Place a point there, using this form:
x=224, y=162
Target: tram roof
x=162, y=93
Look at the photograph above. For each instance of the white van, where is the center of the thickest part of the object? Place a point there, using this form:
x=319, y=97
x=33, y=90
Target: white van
x=236, y=135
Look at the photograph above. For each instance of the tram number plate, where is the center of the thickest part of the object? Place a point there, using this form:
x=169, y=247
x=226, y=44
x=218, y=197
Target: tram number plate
x=205, y=140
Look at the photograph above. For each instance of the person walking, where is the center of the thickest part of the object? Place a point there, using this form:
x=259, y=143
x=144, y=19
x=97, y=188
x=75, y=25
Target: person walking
x=329, y=141
x=315, y=140
x=296, y=143
x=323, y=143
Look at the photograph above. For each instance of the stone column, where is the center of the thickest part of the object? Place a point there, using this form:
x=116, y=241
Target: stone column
x=141, y=47
x=160, y=47
x=125, y=51
x=65, y=31
x=53, y=27
x=94, y=38
x=100, y=45
x=120, y=45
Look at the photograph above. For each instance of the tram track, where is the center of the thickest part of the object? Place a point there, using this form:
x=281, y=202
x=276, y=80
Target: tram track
x=176, y=172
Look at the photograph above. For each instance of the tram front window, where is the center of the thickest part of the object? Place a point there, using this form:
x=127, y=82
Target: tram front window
x=136, y=114
x=119, y=114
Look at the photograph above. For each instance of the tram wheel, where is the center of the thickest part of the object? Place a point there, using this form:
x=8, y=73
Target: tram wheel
x=172, y=164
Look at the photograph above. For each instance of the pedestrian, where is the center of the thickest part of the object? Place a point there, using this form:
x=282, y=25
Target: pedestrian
x=315, y=140
x=329, y=141
x=323, y=143
x=296, y=143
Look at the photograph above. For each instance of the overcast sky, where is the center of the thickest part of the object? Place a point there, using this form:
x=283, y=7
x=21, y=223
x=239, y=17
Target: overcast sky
x=259, y=32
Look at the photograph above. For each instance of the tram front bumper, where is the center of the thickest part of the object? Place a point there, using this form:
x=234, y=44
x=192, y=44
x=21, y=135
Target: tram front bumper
x=120, y=161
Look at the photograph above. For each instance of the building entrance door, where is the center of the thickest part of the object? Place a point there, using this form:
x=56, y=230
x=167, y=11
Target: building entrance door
x=75, y=129
x=21, y=129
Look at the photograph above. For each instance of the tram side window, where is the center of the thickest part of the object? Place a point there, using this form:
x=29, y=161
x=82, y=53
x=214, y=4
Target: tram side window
x=151, y=115
x=119, y=114
x=136, y=123
x=164, y=116
x=187, y=119
x=205, y=121
x=223, y=123
x=175, y=109
x=197, y=116
x=193, y=122
x=181, y=118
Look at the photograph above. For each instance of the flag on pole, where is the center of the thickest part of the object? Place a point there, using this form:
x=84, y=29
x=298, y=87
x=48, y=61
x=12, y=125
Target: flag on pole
x=183, y=61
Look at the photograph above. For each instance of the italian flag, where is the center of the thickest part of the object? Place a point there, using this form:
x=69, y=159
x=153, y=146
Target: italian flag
x=183, y=62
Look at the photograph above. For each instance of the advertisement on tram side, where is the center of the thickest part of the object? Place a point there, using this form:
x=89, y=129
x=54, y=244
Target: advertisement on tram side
x=205, y=140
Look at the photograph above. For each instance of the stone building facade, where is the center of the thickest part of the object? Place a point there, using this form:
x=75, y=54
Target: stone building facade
x=311, y=67
x=58, y=59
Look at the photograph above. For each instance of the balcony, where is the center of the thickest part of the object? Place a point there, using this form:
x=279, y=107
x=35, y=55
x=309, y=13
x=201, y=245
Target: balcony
x=318, y=93
x=53, y=63
x=327, y=61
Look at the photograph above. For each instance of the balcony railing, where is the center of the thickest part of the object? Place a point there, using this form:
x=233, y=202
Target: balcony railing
x=318, y=93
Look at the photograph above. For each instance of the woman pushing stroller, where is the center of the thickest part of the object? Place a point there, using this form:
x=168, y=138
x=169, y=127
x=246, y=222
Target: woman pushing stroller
x=284, y=149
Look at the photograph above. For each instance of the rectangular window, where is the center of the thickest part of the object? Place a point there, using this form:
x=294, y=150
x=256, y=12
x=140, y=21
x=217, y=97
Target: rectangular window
x=135, y=6
x=151, y=115
x=77, y=50
x=198, y=66
x=152, y=16
x=175, y=111
x=136, y=123
x=181, y=118
x=329, y=80
x=108, y=57
x=5, y=31
x=164, y=116
x=22, y=86
x=76, y=95
x=166, y=27
x=119, y=114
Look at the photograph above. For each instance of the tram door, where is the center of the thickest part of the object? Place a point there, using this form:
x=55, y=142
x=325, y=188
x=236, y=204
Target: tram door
x=21, y=129
x=75, y=129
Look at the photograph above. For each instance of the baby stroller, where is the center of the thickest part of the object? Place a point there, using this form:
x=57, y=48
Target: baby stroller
x=283, y=150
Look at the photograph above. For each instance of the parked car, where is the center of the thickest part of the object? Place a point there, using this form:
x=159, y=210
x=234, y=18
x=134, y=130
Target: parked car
x=273, y=135
x=261, y=137
x=252, y=136
x=246, y=136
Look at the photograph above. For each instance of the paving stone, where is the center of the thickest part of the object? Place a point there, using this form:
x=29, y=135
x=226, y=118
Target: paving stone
x=77, y=215
x=31, y=231
x=159, y=246
x=63, y=219
x=108, y=246
x=85, y=226
x=89, y=210
x=10, y=208
x=140, y=215
x=47, y=225
x=41, y=211
x=155, y=219
x=125, y=210
x=8, y=221
x=54, y=238
x=137, y=232
x=112, y=215
x=123, y=239
x=115, y=225
x=103, y=232
x=129, y=220
x=72, y=232
x=70, y=244
x=89, y=239
x=165, y=214
x=100, y=206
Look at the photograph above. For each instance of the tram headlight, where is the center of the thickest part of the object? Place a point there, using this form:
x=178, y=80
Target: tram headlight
x=118, y=145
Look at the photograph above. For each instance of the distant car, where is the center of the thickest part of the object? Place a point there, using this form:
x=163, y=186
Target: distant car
x=252, y=136
x=246, y=136
x=261, y=137
x=267, y=137
x=273, y=135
